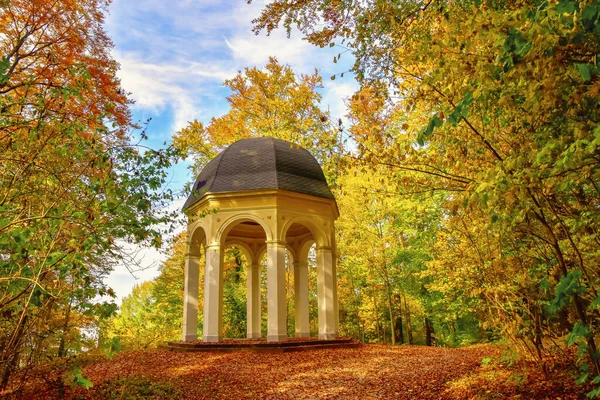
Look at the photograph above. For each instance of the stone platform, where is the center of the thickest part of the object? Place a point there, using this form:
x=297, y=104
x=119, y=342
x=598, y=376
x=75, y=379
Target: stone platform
x=260, y=345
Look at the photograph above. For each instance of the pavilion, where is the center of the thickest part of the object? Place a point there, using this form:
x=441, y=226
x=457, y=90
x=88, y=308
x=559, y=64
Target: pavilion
x=261, y=195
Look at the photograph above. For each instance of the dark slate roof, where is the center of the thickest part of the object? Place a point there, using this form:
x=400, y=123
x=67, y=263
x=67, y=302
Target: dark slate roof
x=261, y=163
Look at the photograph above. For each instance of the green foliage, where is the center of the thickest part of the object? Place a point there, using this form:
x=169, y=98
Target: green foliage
x=111, y=347
x=234, y=293
x=578, y=333
x=80, y=380
x=144, y=320
x=594, y=393
x=568, y=286
x=4, y=65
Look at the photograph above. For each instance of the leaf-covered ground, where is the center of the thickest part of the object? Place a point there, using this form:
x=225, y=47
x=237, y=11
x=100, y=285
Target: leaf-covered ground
x=368, y=372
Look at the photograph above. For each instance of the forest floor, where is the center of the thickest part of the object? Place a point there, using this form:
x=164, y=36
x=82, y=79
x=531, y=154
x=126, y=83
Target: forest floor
x=367, y=372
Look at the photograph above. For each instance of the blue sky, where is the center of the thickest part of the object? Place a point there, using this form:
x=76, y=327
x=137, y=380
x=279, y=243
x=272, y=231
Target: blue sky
x=174, y=56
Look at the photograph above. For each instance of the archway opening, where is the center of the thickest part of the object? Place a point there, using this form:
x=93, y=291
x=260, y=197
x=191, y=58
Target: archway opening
x=302, y=281
x=242, y=242
x=313, y=305
x=235, y=265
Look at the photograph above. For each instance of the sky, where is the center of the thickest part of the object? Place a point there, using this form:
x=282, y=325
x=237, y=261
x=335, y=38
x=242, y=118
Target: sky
x=174, y=56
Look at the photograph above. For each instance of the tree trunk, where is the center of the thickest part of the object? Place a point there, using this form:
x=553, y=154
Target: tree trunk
x=579, y=304
x=61, y=349
x=539, y=346
x=409, y=337
x=377, y=322
x=238, y=266
x=363, y=331
x=390, y=306
x=399, y=330
x=429, y=338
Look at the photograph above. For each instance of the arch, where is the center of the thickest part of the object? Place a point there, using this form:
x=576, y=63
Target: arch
x=243, y=247
x=196, y=239
x=261, y=252
x=231, y=222
x=291, y=252
x=319, y=234
x=305, y=248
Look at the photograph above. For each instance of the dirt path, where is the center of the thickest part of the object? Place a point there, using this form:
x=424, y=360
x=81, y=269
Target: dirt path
x=379, y=372
x=367, y=372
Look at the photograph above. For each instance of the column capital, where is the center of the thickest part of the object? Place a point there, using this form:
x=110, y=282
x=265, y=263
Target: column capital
x=324, y=248
x=213, y=246
x=192, y=255
x=278, y=243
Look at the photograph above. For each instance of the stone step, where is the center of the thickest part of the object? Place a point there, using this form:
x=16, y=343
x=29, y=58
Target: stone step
x=253, y=343
x=278, y=347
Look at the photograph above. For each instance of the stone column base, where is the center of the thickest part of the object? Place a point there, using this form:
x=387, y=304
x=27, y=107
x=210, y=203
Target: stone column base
x=190, y=338
x=328, y=336
x=255, y=335
x=277, y=338
x=303, y=335
x=213, y=339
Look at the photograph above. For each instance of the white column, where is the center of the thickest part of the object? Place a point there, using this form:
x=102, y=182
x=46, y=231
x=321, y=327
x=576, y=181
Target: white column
x=190, y=299
x=213, y=295
x=253, y=301
x=277, y=324
x=336, y=302
x=301, y=298
x=327, y=293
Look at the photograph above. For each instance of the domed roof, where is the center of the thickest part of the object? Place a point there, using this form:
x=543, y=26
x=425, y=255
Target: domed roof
x=261, y=163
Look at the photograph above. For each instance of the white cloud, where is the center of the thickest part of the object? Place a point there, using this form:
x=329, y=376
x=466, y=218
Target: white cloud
x=256, y=50
x=174, y=56
x=249, y=49
x=336, y=94
x=156, y=86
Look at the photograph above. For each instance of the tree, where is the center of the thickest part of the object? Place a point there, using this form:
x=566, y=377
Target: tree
x=167, y=288
x=384, y=237
x=72, y=185
x=136, y=324
x=495, y=105
x=266, y=102
x=366, y=230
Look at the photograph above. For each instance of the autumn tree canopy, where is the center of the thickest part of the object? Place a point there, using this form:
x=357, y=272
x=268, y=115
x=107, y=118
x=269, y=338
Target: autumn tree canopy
x=272, y=101
x=72, y=185
x=494, y=105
